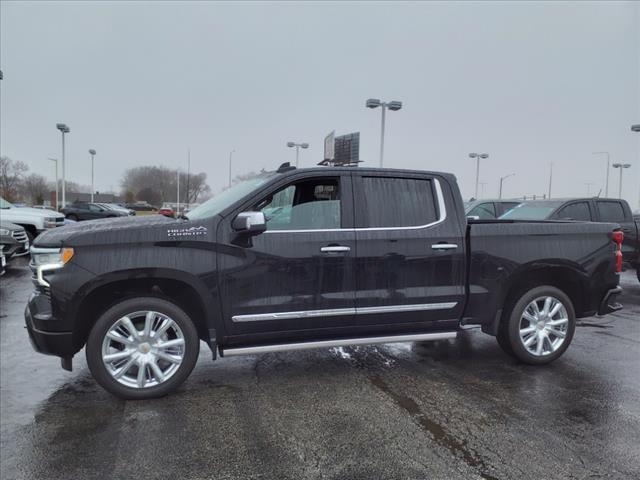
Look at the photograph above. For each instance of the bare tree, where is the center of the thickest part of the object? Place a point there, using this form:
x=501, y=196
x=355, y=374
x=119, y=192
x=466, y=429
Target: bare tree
x=35, y=188
x=11, y=174
x=163, y=182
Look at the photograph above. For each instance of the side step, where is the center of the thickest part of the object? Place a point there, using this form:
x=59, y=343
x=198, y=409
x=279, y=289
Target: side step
x=284, y=347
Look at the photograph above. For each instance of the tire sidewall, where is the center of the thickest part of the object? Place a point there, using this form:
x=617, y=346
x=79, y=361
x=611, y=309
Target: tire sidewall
x=106, y=321
x=519, y=350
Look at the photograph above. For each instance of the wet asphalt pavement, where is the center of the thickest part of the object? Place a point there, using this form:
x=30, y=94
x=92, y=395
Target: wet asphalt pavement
x=449, y=409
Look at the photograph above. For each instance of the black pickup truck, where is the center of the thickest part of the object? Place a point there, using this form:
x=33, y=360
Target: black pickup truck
x=321, y=257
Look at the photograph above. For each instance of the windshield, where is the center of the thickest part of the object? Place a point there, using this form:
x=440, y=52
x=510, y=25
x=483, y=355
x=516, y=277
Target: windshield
x=530, y=211
x=5, y=204
x=227, y=197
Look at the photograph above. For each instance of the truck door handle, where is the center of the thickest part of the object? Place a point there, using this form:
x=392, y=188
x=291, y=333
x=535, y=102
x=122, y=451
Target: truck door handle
x=335, y=249
x=444, y=246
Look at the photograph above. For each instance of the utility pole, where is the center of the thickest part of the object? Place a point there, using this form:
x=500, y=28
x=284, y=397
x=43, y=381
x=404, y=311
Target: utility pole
x=230, y=157
x=188, y=176
x=550, y=179
x=92, y=152
x=606, y=186
x=55, y=161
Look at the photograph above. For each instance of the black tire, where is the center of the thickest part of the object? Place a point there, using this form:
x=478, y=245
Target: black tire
x=509, y=332
x=126, y=307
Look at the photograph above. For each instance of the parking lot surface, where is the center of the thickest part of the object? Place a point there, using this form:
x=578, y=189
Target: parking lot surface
x=449, y=409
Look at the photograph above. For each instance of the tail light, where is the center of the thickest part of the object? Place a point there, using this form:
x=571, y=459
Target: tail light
x=618, y=238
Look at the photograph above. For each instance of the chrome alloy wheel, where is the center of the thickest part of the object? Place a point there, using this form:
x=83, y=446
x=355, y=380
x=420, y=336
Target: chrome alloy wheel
x=543, y=326
x=143, y=349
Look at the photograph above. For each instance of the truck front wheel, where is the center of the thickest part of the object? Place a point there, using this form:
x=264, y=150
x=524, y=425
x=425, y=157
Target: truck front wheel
x=142, y=348
x=539, y=325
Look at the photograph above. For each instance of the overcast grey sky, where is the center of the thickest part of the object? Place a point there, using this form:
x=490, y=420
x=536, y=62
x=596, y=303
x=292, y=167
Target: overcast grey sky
x=529, y=83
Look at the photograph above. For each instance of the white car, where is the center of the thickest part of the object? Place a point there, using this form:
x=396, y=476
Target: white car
x=33, y=220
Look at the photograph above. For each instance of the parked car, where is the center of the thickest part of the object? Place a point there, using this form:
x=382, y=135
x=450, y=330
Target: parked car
x=141, y=207
x=90, y=211
x=33, y=220
x=167, y=212
x=44, y=207
x=14, y=240
x=594, y=209
x=487, y=209
x=120, y=208
x=366, y=256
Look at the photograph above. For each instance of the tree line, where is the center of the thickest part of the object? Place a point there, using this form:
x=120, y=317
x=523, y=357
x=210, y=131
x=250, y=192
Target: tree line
x=152, y=184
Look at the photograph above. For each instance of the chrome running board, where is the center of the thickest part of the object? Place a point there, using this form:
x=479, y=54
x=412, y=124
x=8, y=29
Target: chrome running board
x=285, y=347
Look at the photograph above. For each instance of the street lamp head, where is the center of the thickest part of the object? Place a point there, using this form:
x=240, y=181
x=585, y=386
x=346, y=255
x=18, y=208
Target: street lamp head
x=304, y=145
x=373, y=103
x=626, y=165
x=473, y=155
x=291, y=144
x=484, y=155
x=394, y=105
x=635, y=128
x=92, y=151
x=62, y=127
x=617, y=165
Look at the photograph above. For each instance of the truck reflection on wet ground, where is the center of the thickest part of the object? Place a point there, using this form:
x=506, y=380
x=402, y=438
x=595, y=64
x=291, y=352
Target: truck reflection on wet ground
x=446, y=409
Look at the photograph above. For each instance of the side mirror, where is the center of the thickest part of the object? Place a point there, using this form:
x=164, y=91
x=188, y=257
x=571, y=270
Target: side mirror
x=473, y=217
x=252, y=223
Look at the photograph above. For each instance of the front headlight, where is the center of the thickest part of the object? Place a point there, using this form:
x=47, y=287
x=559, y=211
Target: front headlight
x=4, y=232
x=49, y=222
x=46, y=259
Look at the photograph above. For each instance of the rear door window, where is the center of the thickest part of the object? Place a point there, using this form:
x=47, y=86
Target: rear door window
x=575, y=211
x=610, y=211
x=396, y=202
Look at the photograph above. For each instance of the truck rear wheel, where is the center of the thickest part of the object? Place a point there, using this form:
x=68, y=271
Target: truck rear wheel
x=142, y=348
x=539, y=326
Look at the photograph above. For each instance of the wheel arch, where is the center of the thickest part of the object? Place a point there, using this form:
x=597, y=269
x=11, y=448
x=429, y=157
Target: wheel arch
x=566, y=277
x=181, y=288
x=563, y=275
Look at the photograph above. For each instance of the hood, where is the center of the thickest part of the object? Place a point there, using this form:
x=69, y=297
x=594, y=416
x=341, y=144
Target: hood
x=9, y=226
x=39, y=212
x=123, y=229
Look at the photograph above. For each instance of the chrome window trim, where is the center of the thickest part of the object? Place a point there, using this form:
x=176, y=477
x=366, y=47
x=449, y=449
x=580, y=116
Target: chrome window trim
x=442, y=211
x=342, y=311
x=283, y=347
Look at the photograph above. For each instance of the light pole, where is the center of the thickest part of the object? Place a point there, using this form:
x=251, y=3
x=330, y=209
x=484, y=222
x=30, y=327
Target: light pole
x=621, y=166
x=298, y=147
x=393, y=106
x=502, y=179
x=606, y=187
x=550, y=179
x=482, y=185
x=92, y=152
x=55, y=160
x=230, y=157
x=63, y=129
x=478, y=156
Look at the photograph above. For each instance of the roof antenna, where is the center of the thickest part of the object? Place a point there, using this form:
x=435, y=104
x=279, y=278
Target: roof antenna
x=285, y=167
